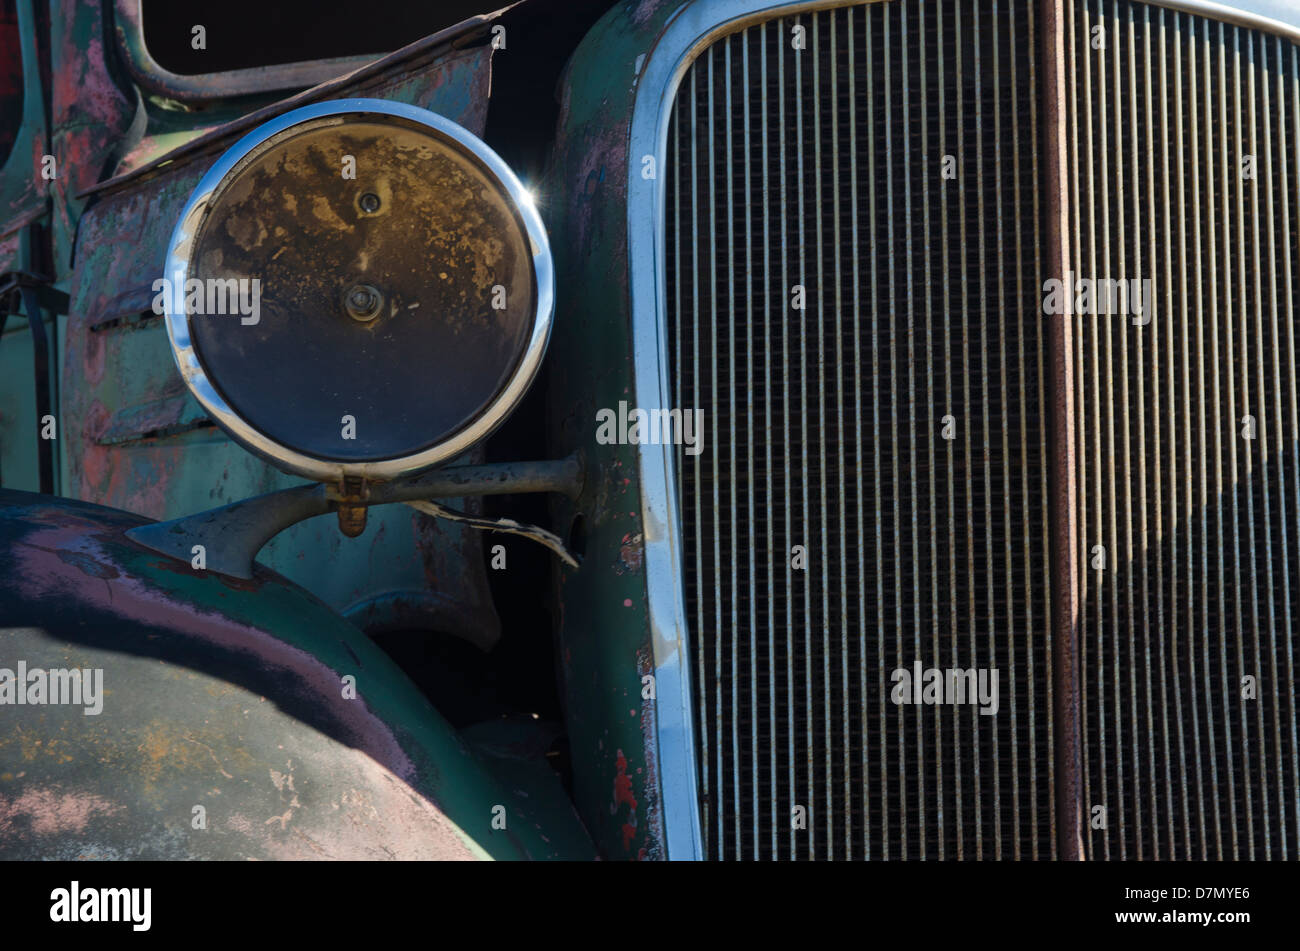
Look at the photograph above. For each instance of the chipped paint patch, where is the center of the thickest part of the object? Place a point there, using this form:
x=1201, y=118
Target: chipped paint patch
x=631, y=553
x=51, y=811
x=623, y=796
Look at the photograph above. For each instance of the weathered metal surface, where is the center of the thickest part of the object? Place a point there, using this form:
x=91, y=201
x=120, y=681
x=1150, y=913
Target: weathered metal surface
x=233, y=534
x=28, y=352
x=54, y=157
x=230, y=696
x=603, y=632
x=517, y=752
x=134, y=439
x=432, y=74
x=41, y=372
x=24, y=209
x=90, y=115
x=10, y=250
x=507, y=526
x=22, y=188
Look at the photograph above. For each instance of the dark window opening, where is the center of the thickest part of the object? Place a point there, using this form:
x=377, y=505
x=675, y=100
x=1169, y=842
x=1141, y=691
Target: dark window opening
x=244, y=34
x=11, y=78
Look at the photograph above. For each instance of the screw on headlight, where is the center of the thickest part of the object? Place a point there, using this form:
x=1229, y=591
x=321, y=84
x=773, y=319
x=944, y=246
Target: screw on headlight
x=363, y=302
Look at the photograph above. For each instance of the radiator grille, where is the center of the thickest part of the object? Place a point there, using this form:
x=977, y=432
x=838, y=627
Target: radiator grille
x=824, y=168
x=1199, y=524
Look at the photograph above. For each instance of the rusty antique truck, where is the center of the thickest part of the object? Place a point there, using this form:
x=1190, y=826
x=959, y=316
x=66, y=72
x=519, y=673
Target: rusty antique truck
x=649, y=429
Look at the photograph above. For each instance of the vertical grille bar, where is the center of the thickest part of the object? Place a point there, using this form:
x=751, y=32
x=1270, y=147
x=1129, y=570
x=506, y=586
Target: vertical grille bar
x=1126, y=456
x=1157, y=420
x=917, y=745
x=1246, y=408
x=971, y=614
x=981, y=272
x=1144, y=537
x=1258, y=404
x=789, y=494
x=846, y=740
x=769, y=392
x=949, y=403
x=1249, y=738
x=1033, y=632
x=1013, y=658
x=809, y=658
x=1216, y=156
x=734, y=631
x=827, y=747
x=755, y=780
x=892, y=321
x=1109, y=533
x=857, y=415
x=717, y=506
x=1229, y=368
x=881, y=729
x=1199, y=308
x=933, y=496
x=1068, y=511
x=1266, y=425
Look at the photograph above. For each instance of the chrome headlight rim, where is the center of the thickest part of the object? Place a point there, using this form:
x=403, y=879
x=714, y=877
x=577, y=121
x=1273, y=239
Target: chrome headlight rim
x=178, y=269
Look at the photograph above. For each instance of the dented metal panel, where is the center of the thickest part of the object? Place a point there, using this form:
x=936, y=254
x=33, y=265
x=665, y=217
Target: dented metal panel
x=230, y=696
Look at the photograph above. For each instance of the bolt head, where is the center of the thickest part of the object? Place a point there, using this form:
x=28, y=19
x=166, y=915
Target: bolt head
x=363, y=302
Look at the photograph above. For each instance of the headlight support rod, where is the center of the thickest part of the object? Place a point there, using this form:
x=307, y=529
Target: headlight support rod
x=232, y=535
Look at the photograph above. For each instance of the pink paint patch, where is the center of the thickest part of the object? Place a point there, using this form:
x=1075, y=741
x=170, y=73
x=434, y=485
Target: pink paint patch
x=627, y=602
x=49, y=812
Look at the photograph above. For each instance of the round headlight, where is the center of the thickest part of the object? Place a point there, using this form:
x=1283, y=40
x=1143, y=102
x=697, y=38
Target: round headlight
x=358, y=288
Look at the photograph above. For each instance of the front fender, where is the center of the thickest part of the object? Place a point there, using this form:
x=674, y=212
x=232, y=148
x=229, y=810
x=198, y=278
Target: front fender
x=227, y=728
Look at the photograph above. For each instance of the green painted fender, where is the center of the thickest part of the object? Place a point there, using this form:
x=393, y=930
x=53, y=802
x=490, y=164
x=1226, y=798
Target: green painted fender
x=227, y=727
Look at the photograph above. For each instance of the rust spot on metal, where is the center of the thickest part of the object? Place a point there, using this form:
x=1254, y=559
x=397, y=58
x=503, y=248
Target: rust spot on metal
x=623, y=796
x=630, y=554
x=352, y=520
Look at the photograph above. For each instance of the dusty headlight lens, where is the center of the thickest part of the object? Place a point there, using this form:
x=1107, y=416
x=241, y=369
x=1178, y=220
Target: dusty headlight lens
x=391, y=288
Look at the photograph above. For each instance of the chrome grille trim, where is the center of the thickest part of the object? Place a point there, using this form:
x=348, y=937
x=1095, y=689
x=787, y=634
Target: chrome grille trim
x=690, y=30
x=1279, y=17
